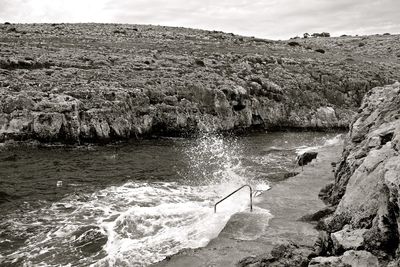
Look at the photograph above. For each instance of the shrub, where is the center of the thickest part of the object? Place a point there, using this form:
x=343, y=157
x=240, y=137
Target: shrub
x=13, y=29
x=200, y=63
x=322, y=34
x=293, y=44
x=119, y=31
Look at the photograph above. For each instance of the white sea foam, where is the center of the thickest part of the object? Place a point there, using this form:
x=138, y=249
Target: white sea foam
x=184, y=218
x=329, y=142
x=144, y=222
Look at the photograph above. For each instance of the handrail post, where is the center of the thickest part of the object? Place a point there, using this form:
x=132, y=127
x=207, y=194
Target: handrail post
x=251, y=197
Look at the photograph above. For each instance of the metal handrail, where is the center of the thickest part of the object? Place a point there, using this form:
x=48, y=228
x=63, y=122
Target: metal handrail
x=251, y=197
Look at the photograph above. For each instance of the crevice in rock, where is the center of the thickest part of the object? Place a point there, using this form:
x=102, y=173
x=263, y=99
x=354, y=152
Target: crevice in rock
x=240, y=106
x=386, y=138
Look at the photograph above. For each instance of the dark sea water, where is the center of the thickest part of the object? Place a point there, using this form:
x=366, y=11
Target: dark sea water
x=132, y=204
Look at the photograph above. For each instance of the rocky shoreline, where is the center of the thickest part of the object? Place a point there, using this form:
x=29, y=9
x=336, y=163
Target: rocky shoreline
x=366, y=188
x=285, y=238
x=360, y=225
x=94, y=83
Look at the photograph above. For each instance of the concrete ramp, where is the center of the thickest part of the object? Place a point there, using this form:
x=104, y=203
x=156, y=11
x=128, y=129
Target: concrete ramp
x=246, y=225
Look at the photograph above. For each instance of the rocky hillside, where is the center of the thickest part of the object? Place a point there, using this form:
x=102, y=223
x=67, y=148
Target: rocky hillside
x=366, y=193
x=95, y=82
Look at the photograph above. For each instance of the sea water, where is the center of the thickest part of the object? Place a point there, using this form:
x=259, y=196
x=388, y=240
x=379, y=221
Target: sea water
x=134, y=204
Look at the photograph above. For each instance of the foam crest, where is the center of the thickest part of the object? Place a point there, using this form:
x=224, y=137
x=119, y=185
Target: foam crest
x=139, y=223
x=325, y=143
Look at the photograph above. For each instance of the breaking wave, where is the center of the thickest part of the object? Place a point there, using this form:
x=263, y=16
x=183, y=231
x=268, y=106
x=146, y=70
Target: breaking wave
x=137, y=223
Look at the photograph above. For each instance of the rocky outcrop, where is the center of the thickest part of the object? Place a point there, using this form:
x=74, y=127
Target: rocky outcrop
x=286, y=254
x=360, y=227
x=306, y=158
x=351, y=258
x=367, y=180
x=95, y=83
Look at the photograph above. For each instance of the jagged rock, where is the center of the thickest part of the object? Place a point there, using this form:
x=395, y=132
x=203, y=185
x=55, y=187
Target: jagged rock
x=367, y=180
x=383, y=237
x=359, y=259
x=362, y=199
x=316, y=216
x=394, y=263
x=306, y=158
x=326, y=117
x=324, y=245
x=327, y=262
x=47, y=125
x=347, y=239
x=20, y=102
x=350, y=258
x=286, y=254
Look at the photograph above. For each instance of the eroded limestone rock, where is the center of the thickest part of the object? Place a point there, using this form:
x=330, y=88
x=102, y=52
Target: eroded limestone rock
x=347, y=239
x=103, y=92
x=367, y=180
x=350, y=258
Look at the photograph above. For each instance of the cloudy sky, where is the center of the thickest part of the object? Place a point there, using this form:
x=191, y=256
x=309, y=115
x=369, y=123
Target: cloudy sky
x=274, y=19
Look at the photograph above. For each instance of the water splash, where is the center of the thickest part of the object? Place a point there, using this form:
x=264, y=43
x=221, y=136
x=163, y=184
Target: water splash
x=214, y=160
x=325, y=142
x=139, y=223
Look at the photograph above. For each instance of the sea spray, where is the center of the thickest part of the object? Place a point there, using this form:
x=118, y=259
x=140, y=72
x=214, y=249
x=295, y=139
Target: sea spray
x=185, y=218
x=139, y=223
x=214, y=159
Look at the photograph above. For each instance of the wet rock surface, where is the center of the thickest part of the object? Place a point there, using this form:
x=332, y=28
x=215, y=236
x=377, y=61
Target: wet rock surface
x=366, y=187
x=360, y=258
x=287, y=254
x=306, y=158
x=76, y=83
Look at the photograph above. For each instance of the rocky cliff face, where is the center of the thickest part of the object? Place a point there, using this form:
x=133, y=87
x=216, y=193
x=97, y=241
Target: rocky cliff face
x=96, y=82
x=366, y=187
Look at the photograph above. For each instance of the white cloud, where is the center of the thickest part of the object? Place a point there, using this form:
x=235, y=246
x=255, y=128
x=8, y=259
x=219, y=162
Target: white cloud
x=46, y=11
x=263, y=18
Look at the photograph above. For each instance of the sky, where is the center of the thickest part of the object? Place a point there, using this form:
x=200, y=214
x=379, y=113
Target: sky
x=272, y=19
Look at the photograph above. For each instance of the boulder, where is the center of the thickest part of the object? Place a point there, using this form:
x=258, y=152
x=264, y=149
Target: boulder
x=306, y=158
x=285, y=254
x=359, y=258
x=347, y=239
x=326, y=262
x=326, y=117
x=47, y=126
x=351, y=258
